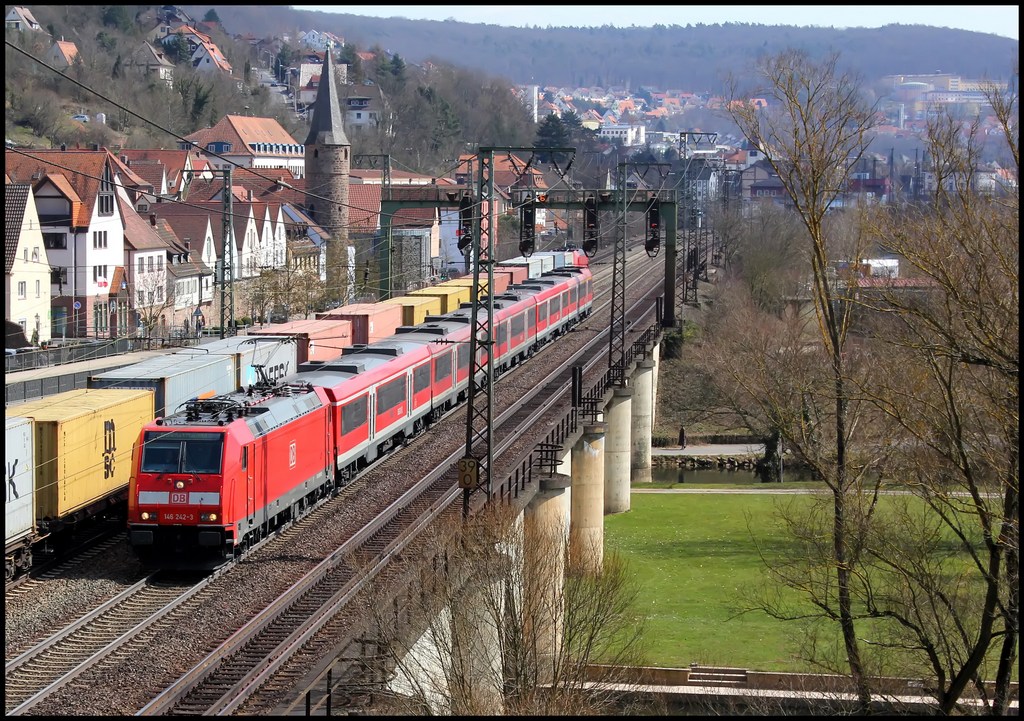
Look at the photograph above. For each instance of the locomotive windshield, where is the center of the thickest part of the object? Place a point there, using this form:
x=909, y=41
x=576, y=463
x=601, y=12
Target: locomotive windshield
x=182, y=452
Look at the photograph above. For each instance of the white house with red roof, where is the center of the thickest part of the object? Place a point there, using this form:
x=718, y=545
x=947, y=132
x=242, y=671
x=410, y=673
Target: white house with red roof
x=63, y=54
x=27, y=273
x=250, y=143
x=21, y=18
x=76, y=195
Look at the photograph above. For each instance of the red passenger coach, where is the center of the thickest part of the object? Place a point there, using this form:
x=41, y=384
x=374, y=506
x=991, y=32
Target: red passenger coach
x=217, y=477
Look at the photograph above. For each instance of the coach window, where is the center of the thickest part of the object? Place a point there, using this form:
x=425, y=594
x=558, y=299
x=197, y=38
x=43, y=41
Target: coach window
x=464, y=356
x=442, y=367
x=353, y=415
x=390, y=395
x=516, y=325
x=502, y=333
x=542, y=311
x=421, y=378
x=565, y=299
x=556, y=305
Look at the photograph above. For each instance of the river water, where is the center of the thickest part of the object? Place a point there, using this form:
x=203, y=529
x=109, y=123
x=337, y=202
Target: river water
x=720, y=475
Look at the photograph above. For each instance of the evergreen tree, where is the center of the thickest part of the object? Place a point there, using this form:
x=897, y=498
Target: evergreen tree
x=211, y=16
x=551, y=133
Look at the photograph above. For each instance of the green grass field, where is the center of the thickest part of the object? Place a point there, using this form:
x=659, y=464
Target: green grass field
x=692, y=555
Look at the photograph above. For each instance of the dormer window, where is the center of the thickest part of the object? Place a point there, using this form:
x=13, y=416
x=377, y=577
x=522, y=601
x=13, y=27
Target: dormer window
x=105, y=199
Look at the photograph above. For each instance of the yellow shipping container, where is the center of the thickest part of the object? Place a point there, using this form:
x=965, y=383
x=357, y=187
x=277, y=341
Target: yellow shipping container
x=451, y=296
x=83, y=445
x=465, y=281
x=415, y=309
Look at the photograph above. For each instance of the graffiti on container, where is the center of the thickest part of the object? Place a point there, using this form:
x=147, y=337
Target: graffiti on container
x=109, y=447
x=12, y=486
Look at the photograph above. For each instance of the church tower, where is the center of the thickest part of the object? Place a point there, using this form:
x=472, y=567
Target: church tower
x=328, y=159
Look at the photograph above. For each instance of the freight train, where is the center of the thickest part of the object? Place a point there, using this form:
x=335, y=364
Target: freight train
x=213, y=479
x=68, y=462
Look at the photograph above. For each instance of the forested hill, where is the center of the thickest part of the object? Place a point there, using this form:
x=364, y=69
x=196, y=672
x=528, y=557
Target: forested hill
x=695, y=58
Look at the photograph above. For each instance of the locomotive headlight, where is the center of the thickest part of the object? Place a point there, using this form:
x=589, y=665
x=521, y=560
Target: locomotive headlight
x=179, y=484
x=146, y=515
x=207, y=516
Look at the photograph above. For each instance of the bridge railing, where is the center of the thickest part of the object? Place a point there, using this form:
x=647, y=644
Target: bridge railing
x=542, y=459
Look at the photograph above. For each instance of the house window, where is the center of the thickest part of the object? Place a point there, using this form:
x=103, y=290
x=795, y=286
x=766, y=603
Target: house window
x=159, y=295
x=38, y=289
x=160, y=263
x=99, y=239
x=59, y=276
x=22, y=285
x=140, y=297
x=54, y=241
x=142, y=265
x=35, y=255
x=149, y=264
x=106, y=195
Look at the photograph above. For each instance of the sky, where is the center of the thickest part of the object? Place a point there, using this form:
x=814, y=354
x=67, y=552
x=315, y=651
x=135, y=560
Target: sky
x=997, y=19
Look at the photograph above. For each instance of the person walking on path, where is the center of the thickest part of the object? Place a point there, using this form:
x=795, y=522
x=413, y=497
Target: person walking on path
x=682, y=436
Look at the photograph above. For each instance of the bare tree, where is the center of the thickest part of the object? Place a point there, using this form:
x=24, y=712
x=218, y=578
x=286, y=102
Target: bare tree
x=153, y=300
x=503, y=627
x=816, y=127
x=951, y=383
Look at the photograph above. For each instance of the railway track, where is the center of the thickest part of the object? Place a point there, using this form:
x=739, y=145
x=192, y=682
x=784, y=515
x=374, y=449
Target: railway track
x=53, y=662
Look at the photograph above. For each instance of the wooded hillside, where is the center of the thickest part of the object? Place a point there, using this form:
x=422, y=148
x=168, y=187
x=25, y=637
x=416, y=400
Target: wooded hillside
x=695, y=58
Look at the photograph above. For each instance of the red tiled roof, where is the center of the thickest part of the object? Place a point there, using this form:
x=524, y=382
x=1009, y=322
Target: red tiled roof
x=364, y=208
x=241, y=130
x=138, y=233
x=81, y=170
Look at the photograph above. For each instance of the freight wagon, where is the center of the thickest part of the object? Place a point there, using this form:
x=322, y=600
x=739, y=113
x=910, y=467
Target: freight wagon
x=276, y=356
x=82, y=445
x=415, y=309
x=174, y=378
x=371, y=322
x=319, y=340
x=19, y=514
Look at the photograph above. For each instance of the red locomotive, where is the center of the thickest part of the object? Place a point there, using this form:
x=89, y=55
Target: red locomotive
x=216, y=477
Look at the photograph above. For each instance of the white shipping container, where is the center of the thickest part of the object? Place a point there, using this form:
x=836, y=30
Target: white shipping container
x=277, y=354
x=19, y=513
x=562, y=258
x=534, y=264
x=175, y=378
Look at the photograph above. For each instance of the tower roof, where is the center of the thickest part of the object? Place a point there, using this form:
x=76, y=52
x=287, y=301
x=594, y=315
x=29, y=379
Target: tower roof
x=327, y=127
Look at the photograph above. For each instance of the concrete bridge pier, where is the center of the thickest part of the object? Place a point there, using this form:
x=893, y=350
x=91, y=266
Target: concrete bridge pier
x=586, y=516
x=643, y=418
x=476, y=649
x=618, y=415
x=656, y=357
x=545, y=541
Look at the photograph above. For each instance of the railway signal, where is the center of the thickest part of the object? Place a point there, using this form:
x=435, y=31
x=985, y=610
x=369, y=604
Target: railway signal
x=528, y=226
x=653, y=243
x=465, y=229
x=590, y=226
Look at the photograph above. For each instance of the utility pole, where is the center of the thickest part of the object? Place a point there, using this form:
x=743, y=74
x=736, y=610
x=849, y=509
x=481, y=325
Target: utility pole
x=475, y=468
x=693, y=193
x=386, y=251
x=227, y=285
